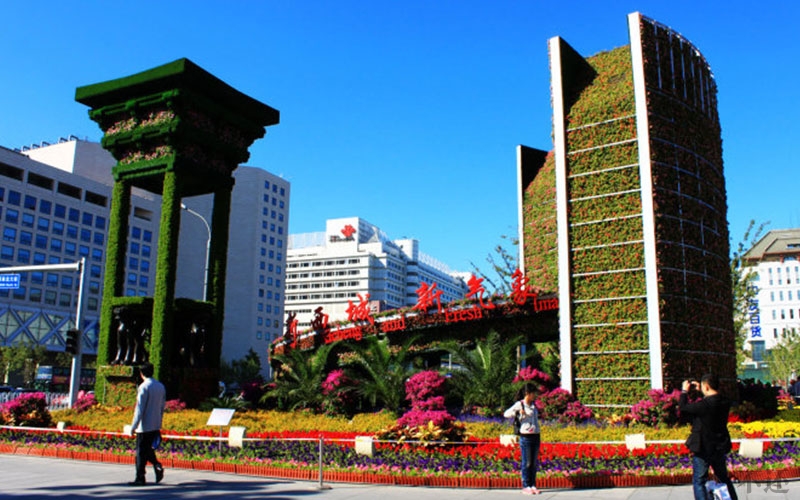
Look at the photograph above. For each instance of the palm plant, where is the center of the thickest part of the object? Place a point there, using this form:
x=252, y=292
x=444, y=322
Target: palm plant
x=385, y=369
x=485, y=371
x=298, y=381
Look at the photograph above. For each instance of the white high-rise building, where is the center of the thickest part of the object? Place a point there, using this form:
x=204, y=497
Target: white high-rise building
x=775, y=260
x=54, y=207
x=354, y=259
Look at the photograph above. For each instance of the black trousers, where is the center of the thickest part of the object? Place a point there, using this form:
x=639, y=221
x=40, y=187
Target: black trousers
x=145, y=453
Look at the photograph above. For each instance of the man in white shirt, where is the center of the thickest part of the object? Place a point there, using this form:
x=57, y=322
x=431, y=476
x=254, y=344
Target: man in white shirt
x=150, y=400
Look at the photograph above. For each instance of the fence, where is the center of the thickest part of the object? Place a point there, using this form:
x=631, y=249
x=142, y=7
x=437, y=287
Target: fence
x=55, y=400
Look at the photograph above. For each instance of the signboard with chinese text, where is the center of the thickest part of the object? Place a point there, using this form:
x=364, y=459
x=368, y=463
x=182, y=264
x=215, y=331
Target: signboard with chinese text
x=9, y=281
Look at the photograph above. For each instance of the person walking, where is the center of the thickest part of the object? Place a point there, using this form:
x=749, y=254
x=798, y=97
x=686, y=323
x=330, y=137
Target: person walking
x=709, y=440
x=146, y=425
x=529, y=438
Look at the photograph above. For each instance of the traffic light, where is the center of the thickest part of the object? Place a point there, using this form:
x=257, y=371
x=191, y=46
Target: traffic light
x=73, y=343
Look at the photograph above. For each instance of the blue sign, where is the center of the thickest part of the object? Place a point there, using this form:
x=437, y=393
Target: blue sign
x=9, y=281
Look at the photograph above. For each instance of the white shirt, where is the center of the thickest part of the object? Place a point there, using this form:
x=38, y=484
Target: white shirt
x=529, y=417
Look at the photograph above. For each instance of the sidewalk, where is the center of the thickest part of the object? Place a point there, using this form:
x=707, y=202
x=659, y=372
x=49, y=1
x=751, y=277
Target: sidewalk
x=26, y=477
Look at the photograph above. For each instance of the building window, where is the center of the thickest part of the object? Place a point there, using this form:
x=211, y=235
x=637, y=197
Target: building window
x=30, y=202
x=58, y=227
x=60, y=211
x=72, y=231
x=44, y=224
x=100, y=222
x=9, y=234
x=12, y=216
x=758, y=350
x=74, y=215
x=14, y=198
x=136, y=233
x=41, y=241
x=65, y=299
x=7, y=252
x=27, y=220
x=50, y=297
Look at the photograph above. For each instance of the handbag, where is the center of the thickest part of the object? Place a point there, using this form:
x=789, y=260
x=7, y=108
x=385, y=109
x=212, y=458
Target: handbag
x=517, y=423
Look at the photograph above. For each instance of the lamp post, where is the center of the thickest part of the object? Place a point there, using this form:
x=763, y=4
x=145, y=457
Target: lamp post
x=208, y=247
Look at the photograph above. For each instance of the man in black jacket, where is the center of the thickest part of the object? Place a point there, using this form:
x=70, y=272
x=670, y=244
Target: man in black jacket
x=709, y=440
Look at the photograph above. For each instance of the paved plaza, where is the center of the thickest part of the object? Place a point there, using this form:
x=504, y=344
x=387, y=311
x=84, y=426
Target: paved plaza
x=25, y=477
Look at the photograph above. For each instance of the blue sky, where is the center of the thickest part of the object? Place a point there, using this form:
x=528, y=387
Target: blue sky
x=407, y=113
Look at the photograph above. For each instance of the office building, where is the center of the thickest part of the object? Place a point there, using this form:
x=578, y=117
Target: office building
x=353, y=260
x=774, y=311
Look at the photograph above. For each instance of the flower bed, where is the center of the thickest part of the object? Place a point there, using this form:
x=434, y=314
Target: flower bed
x=481, y=464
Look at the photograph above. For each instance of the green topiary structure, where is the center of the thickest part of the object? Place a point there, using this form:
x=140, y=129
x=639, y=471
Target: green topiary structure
x=176, y=131
x=627, y=218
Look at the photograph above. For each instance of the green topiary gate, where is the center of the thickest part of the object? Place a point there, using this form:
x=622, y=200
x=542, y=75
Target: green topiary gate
x=175, y=131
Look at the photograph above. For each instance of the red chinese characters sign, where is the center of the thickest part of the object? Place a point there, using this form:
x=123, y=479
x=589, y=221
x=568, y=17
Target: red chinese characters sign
x=361, y=319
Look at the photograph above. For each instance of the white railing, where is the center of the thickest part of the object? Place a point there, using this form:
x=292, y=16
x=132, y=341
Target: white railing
x=55, y=400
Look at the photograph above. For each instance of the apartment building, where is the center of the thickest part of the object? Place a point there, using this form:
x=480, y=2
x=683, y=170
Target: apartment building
x=354, y=260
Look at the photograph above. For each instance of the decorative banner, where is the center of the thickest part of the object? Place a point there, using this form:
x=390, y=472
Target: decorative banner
x=361, y=315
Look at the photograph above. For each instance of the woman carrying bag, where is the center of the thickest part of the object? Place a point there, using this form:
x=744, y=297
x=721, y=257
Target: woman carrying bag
x=525, y=412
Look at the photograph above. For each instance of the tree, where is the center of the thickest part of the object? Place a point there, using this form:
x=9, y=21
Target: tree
x=485, y=371
x=24, y=357
x=742, y=285
x=385, y=369
x=784, y=358
x=298, y=380
x=503, y=264
x=242, y=371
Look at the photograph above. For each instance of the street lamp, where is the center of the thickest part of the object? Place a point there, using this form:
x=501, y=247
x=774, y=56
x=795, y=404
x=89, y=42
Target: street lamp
x=208, y=247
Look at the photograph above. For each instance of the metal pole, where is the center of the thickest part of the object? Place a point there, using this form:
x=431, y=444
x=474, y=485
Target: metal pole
x=321, y=486
x=75, y=378
x=208, y=248
x=79, y=267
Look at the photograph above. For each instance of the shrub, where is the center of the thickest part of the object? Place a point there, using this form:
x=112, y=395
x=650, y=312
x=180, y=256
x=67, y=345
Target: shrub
x=560, y=405
x=424, y=385
x=427, y=420
x=84, y=402
x=661, y=408
x=338, y=390
x=27, y=410
x=543, y=381
x=174, y=405
x=763, y=401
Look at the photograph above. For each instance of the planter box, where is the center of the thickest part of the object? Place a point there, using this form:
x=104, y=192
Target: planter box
x=64, y=453
x=378, y=478
x=203, y=465
x=443, y=481
x=181, y=463
x=505, y=482
x=411, y=480
x=7, y=448
x=474, y=482
x=225, y=467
